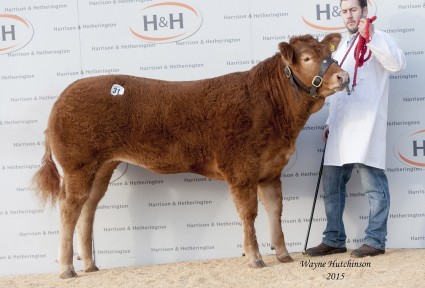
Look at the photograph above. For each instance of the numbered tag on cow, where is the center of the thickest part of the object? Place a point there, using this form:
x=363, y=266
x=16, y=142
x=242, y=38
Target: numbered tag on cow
x=117, y=90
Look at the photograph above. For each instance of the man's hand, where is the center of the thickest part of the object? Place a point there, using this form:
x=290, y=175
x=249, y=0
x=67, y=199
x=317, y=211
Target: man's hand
x=325, y=133
x=362, y=27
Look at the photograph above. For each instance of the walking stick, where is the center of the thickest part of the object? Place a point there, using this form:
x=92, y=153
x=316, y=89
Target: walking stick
x=315, y=198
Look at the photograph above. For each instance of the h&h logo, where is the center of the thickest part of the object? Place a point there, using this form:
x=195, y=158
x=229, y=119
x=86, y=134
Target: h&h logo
x=165, y=22
x=410, y=148
x=326, y=17
x=15, y=33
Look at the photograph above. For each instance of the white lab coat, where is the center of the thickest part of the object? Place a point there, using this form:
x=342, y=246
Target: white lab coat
x=358, y=122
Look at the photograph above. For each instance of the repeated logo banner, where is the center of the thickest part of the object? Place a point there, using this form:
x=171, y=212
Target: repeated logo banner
x=151, y=218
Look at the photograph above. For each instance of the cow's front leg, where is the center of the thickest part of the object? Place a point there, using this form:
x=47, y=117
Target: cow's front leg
x=270, y=193
x=245, y=198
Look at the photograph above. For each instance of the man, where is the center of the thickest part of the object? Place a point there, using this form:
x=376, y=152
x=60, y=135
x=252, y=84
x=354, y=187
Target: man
x=357, y=134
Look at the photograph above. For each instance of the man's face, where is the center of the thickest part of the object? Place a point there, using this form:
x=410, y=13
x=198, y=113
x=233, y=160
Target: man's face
x=351, y=13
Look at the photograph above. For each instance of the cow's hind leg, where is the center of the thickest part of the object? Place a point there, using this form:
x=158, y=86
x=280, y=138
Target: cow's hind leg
x=245, y=198
x=75, y=192
x=270, y=193
x=86, y=219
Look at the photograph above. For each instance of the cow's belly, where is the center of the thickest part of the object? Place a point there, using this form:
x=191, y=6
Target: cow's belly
x=173, y=167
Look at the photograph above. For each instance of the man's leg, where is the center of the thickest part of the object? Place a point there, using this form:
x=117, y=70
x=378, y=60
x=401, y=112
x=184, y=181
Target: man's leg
x=334, y=180
x=375, y=184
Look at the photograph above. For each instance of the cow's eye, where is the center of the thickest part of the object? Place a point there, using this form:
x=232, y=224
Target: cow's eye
x=306, y=59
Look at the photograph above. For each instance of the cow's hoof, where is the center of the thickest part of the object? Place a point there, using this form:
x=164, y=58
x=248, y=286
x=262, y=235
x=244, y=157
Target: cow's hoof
x=92, y=268
x=79, y=257
x=68, y=274
x=256, y=264
x=284, y=258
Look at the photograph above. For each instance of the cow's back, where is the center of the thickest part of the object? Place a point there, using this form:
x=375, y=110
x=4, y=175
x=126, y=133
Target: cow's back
x=164, y=126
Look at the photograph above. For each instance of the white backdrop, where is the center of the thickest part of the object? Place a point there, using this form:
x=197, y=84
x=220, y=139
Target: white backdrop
x=150, y=218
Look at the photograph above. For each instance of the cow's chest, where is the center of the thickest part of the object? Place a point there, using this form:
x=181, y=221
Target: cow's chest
x=273, y=162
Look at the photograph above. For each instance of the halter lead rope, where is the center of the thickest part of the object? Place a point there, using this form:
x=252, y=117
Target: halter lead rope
x=360, y=51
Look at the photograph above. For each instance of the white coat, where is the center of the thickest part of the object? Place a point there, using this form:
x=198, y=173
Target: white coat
x=358, y=122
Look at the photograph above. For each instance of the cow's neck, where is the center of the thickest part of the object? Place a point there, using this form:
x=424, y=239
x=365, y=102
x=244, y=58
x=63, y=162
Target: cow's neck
x=292, y=106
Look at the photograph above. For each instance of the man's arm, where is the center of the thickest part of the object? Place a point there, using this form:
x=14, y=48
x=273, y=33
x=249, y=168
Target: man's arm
x=387, y=51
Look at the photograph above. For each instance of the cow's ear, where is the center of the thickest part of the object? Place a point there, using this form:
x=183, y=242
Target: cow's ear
x=287, y=52
x=332, y=41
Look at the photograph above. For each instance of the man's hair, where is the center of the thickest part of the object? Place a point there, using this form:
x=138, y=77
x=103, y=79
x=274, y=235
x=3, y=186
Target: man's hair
x=362, y=3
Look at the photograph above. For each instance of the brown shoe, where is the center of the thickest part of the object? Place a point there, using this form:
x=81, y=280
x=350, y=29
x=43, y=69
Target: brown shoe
x=366, y=250
x=322, y=249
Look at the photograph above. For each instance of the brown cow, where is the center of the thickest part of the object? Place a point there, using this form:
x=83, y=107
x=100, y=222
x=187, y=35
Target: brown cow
x=240, y=128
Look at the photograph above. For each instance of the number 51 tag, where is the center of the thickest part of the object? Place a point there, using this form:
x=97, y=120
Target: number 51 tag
x=117, y=90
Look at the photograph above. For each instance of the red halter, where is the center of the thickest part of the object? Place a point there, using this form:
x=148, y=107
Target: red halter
x=360, y=51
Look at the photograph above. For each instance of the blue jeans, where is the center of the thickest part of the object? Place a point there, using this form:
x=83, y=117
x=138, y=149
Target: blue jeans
x=375, y=185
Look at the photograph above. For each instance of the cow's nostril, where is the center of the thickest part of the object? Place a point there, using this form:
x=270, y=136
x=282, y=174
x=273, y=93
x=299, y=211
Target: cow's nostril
x=340, y=79
x=344, y=79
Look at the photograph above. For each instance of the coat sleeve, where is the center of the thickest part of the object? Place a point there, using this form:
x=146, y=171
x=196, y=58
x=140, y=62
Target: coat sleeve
x=387, y=52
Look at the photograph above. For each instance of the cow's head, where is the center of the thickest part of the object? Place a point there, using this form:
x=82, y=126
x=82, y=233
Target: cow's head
x=309, y=64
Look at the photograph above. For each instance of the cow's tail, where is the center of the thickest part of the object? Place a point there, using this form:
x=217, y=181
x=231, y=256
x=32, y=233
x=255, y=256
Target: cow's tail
x=47, y=179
